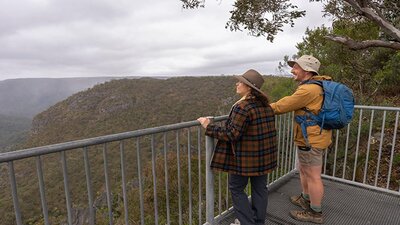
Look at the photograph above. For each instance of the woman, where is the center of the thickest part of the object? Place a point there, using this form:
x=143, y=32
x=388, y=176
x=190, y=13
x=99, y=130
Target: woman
x=246, y=148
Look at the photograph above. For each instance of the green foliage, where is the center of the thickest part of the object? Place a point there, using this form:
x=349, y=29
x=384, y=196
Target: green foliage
x=250, y=15
x=314, y=43
x=359, y=30
x=278, y=87
x=396, y=161
x=389, y=75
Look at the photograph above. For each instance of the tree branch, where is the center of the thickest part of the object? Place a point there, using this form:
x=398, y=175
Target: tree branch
x=358, y=45
x=377, y=10
x=192, y=4
x=383, y=23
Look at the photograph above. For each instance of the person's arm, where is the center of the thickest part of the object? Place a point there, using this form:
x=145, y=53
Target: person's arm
x=299, y=99
x=235, y=127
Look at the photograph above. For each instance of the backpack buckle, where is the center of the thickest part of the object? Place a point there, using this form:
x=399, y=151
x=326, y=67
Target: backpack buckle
x=304, y=148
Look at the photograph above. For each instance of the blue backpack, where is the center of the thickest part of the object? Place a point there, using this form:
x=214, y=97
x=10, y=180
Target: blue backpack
x=336, y=111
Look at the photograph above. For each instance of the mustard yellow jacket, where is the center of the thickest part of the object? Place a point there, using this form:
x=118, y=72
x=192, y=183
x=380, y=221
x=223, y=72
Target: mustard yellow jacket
x=307, y=96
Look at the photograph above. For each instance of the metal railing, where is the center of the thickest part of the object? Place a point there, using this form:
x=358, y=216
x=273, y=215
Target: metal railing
x=165, y=152
x=367, y=152
x=152, y=177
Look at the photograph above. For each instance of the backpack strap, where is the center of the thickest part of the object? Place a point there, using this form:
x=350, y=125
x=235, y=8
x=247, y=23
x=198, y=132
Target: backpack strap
x=314, y=117
x=304, y=121
x=317, y=82
x=309, y=119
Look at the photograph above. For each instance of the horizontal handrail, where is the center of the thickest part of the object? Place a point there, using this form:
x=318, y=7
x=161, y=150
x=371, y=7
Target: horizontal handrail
x=377, y=107
x=43, y=150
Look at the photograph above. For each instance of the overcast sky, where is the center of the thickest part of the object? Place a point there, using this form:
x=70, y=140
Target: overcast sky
x=85, y=38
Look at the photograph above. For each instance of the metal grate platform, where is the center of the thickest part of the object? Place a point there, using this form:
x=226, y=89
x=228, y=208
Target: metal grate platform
x=343, y=204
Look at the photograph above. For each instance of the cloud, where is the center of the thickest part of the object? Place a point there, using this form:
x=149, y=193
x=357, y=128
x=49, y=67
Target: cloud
x=59, y=38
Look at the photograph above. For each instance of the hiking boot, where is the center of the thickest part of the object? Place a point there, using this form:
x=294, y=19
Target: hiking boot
x=300, y=201
x=308, y=215
x=237, y=222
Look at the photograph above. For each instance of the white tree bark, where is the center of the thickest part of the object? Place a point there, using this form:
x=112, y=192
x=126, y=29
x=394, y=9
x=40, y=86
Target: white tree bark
x=376, y=17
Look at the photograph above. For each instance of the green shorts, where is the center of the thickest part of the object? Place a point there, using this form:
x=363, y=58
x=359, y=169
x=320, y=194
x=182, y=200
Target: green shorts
x=310, y=156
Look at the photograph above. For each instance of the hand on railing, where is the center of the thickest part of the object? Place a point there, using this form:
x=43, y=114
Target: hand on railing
x=204, y=121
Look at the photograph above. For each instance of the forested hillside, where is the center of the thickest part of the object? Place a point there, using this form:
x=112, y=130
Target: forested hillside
x=131, y=104
x=13, y=130
x=123, y=105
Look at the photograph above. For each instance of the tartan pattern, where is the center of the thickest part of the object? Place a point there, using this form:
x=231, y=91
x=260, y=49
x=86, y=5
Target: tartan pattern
x=247, y=143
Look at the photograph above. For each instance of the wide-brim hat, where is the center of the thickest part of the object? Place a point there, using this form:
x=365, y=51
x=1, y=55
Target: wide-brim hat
x=307, y=62
x=253, y=79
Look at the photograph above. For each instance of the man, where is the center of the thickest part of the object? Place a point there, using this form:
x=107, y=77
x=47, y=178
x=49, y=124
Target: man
x=310, y=154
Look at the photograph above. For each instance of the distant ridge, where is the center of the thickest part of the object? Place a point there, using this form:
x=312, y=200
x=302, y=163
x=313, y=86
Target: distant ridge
x=25, y=97
x=130, y=104
x=22, y=98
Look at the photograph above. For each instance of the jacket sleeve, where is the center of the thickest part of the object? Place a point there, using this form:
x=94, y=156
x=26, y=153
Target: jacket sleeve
x=304, y=95
x=234, y=128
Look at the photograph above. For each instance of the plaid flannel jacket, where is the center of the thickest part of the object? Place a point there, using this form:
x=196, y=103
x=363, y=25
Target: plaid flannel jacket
x=247, y=143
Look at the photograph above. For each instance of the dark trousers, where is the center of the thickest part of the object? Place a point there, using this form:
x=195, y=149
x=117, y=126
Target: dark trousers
x=256, y=211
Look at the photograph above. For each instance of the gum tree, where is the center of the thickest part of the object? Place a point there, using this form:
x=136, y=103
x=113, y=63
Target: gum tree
x=267, y=18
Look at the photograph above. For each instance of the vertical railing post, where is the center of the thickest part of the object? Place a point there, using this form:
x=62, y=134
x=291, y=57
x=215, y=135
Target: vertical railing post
x=14, y=193
x=92, y=212
x=108, y=186
x=42, y=190
x=209, y=181
x=66, y=187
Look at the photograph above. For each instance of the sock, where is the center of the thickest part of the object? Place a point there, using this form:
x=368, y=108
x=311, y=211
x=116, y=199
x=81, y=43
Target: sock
x=317, y=209
x=305, y=196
